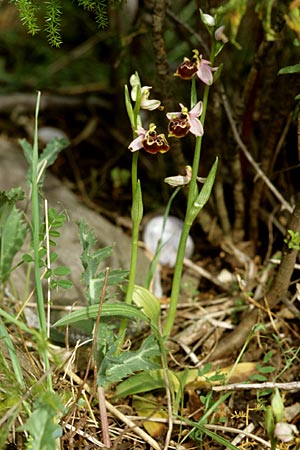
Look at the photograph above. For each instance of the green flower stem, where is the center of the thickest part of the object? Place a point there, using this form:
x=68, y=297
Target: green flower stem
x=134, y=169
x=136, y=220
x=188, y=221
x=136, y=215
x=36, y=245
x=193, y=187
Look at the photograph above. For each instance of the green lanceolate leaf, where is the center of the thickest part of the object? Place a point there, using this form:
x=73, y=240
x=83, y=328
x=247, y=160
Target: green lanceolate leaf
x=204, y=194
x=129, y=106
x=137, y=205
x=5, y=337
x=109, y=311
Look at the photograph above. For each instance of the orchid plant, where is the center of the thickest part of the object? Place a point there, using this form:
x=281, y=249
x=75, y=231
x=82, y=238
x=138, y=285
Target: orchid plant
x=186, y=120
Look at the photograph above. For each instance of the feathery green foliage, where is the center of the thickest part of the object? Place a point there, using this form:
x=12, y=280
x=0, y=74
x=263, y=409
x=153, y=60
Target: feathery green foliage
x=53, y=22
x=28, y=14
x=32, y=12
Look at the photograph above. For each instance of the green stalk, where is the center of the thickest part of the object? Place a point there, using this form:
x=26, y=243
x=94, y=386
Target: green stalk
x=36, y=243
x=188, y=221
x=136, y=216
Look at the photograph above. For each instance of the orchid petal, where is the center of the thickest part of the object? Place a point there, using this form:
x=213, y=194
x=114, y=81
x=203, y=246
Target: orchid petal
x=196, y=111
x=196, y=127
x=150, y=105
x=178, y=180
x=136, y=144
x=205, y=74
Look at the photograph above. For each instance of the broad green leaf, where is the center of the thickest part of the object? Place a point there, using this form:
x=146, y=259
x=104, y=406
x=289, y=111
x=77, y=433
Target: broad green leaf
x=149, y=304
x=145, y=382
x=61, y=271
x=109, y=311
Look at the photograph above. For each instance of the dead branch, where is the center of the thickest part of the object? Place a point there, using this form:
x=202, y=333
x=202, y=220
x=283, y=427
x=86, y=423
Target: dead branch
x=49, y=102
x=291, y=386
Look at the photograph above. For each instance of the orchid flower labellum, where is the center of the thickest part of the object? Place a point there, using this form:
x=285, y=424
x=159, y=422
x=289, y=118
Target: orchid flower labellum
x=149, y=140
x=183, y=122
x=146, y=103
x=187, y=69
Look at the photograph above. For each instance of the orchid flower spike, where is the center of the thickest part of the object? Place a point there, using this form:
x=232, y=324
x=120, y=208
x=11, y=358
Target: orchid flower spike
x=184, y=121
x=146, y=103
x=149, y=140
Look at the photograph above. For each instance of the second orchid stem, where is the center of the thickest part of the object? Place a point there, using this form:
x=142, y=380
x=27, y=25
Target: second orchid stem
x=188, y=221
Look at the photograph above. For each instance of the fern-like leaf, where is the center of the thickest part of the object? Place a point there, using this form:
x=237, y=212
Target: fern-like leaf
x=91, y=259
x=53, y=22
x=28, y=14
x=99, y=8
x=114, y=367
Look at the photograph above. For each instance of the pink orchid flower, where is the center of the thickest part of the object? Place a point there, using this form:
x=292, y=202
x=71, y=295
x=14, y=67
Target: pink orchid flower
x=183, y=122
x=197, y=65
x=150, y=141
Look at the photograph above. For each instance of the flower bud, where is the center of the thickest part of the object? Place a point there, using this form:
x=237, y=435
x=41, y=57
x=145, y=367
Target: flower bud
x=207, y=19
x=277, y=405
